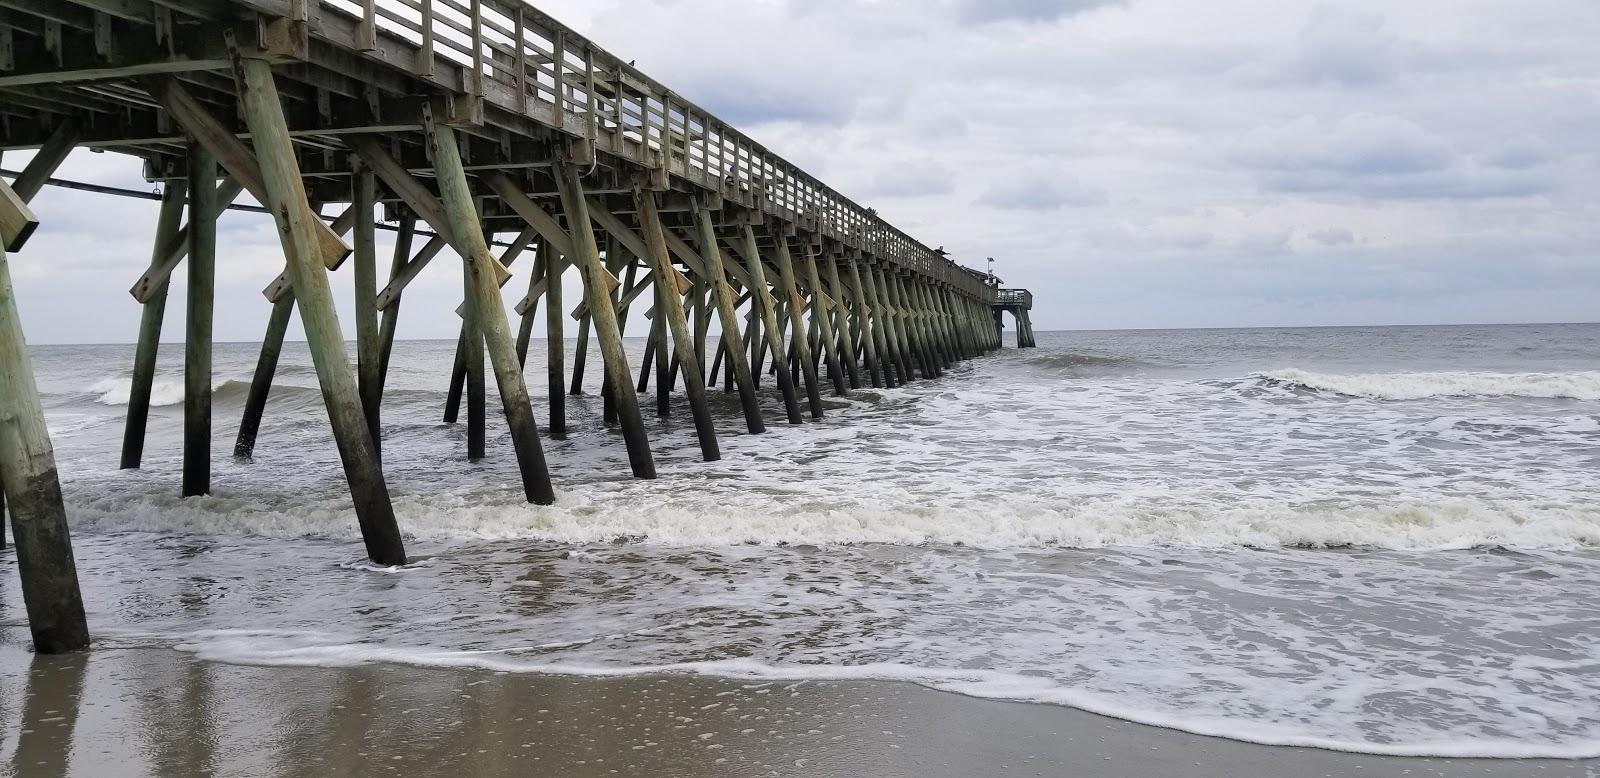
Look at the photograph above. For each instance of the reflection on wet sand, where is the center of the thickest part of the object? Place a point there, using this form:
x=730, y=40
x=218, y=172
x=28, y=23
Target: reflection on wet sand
x=50, y=710
x=159, y=712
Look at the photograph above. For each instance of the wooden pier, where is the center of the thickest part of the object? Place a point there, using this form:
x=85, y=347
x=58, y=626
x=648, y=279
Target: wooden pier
x=1018, y=303
x=468, y=126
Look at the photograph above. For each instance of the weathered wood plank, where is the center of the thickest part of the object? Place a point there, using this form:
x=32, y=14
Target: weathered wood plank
x=286, y=198
x=33, y=490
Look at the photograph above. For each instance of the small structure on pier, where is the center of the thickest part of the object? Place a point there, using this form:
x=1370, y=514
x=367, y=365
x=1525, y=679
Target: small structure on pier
x=1018, y=303
x=465, y=125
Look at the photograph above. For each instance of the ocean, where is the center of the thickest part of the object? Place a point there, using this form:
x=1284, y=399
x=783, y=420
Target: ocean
x=1379, y=540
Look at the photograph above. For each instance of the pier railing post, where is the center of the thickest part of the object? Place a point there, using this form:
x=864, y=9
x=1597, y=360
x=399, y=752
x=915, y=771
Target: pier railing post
x=597, y=296
x=203, y=211
x=28, y=471
x=489, y=327
x=670, y=308
x=152, y=314
x=729, y=318
x=286, y=199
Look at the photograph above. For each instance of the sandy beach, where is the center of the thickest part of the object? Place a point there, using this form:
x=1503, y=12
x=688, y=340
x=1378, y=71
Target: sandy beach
x=138, y=712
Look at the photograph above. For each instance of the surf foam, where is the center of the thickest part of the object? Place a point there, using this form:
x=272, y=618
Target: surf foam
x=1417, y=386
x=284, y=648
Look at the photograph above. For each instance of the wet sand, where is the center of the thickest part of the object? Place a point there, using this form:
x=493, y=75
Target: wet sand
x=156, y=711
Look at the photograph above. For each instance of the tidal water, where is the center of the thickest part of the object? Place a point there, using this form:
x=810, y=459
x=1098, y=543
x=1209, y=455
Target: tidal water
x=1380, y=540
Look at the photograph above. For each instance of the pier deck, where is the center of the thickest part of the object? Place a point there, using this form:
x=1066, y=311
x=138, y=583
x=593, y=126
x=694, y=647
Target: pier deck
x=468, y=126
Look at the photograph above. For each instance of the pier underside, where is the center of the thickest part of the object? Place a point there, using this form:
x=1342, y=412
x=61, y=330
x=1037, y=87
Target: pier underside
x=481, y=129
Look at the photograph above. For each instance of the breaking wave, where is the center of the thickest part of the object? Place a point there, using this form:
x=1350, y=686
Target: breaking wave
x=1075, y=360
x=166, y=392
x=599, y=517
x=1418, y=386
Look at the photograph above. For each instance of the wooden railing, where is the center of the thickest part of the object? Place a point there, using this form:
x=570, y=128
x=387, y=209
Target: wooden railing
x=1020, y=298
x=522, y=61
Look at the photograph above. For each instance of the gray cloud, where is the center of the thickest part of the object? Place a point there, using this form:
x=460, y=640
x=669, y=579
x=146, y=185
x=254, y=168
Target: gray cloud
x=985, y=11
x=1381, y=157
x=1029, y=192
x=1291, y=162
x=1336, y=47
x=912, y=179
x=1333, y=236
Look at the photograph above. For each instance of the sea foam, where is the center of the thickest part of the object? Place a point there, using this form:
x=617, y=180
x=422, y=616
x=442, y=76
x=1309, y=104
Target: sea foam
x=1417, y=386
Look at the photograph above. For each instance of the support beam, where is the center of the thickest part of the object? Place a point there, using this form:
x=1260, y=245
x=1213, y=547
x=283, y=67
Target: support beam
x=17, y=221
x=711, y=254
x=844, y=334
x=33, y=490
x=488, y=314
x=363, y=196
x=286, y=198
x=597, y=294
x=47, y=160
x=822, y=309
x=391, y=312
x=418, y=197
x=871, y=327
x=669, y=306
x=202, y=287
x=525, y=329
x=240, y=163
x=801, y=347
x=176, y=245
x=255, y=403
x=556, y=342
x=151, y=316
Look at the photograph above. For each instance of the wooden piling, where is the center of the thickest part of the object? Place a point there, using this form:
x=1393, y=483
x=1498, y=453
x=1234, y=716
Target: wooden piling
x=597, y=294
x=762, y=303
x=486, y=309
x=877, y=372
x=203, y=211
x=925, y=318
x=458, y=379
x=580, y=355
x=556, y=348
x=822, y=309
x=717, y=277
x=844, y=329
x=28, y=471
x=894, y=372
x=525, y=329
x=797, y=329
x=391, y=313
x=616, y=259
x=472, y=358
x=255, y=403
x=363, y=197
x=286, y=199
x=895, y=312
x=671, y=309
x=151, y=316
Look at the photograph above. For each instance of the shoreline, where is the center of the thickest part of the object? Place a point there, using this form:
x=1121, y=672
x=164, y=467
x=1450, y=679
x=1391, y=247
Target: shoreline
x=147, y=711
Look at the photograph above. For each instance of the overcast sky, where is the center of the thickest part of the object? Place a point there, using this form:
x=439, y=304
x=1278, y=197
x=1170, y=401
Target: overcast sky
x=1136, y=163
